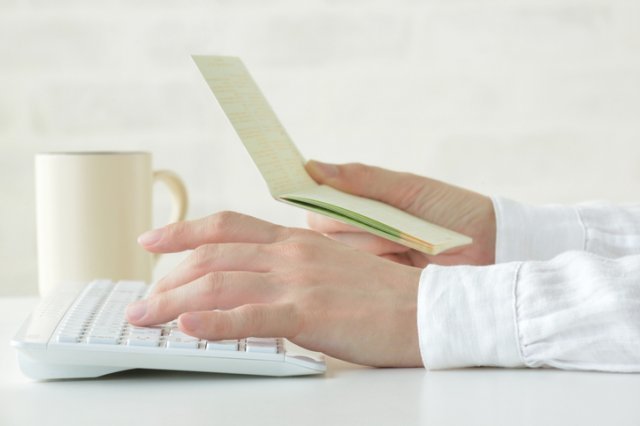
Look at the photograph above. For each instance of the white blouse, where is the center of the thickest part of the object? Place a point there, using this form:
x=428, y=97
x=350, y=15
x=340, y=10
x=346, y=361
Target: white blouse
x=564, y=293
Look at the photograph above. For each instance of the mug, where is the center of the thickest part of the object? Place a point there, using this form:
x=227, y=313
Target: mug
x=90, y=209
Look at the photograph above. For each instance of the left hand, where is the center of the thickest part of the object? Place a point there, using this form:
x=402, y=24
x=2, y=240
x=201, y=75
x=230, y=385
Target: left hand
x=440, y=203
x=247, y=277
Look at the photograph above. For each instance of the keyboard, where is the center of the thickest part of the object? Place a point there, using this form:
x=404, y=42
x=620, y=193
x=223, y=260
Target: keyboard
x=85, y=334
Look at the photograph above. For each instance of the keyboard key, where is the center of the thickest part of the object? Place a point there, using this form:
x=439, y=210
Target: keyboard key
x=183, y=343
x=143, y=341
x=72, y=328
x=67, y=338
x=175, y=332
x=103, y=339
x=106, y=331
x=145, y=331
x=130, y=287
x=222, y=345
x=261, y=345
x=258, y=340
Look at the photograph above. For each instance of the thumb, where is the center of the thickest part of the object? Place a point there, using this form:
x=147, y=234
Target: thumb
x=397, y=189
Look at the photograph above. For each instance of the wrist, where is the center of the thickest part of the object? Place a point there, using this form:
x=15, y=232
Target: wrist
x=414, y=357
x=487, y=238
x=404, y=333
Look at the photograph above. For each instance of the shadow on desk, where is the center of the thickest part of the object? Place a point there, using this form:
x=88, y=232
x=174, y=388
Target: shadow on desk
x=336, y=368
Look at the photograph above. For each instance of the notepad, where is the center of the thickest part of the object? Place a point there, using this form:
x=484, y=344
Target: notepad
x=282, y=165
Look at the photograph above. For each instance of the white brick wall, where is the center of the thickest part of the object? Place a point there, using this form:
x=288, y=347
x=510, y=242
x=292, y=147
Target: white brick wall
x=534, y=99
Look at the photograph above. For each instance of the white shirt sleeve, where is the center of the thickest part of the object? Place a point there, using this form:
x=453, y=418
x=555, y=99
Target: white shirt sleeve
x=527, y=232
x=565, y=308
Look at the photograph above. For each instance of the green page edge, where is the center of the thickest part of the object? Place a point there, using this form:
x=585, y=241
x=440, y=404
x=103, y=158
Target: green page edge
x=349, y=214
x=349, y=217
x=424, y=247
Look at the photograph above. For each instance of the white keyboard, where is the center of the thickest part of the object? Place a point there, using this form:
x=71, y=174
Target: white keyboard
x=86, y=334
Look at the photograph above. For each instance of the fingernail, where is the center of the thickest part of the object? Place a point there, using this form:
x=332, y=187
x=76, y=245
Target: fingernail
x=149, y=238
x=190, y=322
x=325, y=169
x=136, y=310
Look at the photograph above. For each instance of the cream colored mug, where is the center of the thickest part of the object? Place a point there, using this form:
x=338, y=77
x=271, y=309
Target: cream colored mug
x=90, y=209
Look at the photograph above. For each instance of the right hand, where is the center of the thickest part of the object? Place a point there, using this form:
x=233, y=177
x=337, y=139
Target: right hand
x=458, y=209
x=247, y=277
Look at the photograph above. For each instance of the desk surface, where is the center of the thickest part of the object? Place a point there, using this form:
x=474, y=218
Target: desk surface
x=347, y=394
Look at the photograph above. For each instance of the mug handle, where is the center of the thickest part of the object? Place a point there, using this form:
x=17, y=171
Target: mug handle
x=179, y=198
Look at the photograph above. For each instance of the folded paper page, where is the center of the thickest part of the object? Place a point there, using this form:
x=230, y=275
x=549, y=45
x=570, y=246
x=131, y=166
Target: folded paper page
x=282, y=165
x=268, y=143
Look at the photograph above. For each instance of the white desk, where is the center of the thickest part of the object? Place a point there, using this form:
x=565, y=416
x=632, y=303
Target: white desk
x=347, y=394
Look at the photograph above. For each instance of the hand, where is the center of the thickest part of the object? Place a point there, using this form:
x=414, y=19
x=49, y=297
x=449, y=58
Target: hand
x=454, y=208
x=247, y=277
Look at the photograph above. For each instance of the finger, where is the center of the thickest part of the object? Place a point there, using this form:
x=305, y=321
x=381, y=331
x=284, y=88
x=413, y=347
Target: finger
x=214, y=258
x=255, y=320
x=222, y=227
x=217, y=290
x=398, y=258
x=325, y=225
x=367, y=242
x=394, y=188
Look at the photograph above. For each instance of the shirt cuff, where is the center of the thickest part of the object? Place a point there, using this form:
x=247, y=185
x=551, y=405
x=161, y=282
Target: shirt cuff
x=525, y=232
x=467, y=317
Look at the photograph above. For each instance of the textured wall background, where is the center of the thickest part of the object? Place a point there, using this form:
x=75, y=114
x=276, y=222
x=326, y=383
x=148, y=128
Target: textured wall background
x=538, y=100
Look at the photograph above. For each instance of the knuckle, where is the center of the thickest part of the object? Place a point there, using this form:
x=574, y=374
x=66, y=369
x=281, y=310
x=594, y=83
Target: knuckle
x=287, y=283
x=298, y=278
x=161, y=286
x=201, y=256
x=213, y=284
x=221, y=327
x=254, y=319
x=360, y=169
x=284, y=232
x=297, y=251
x=294, y=319
x=158, y=305
x=220, y=221
x=177, y=230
